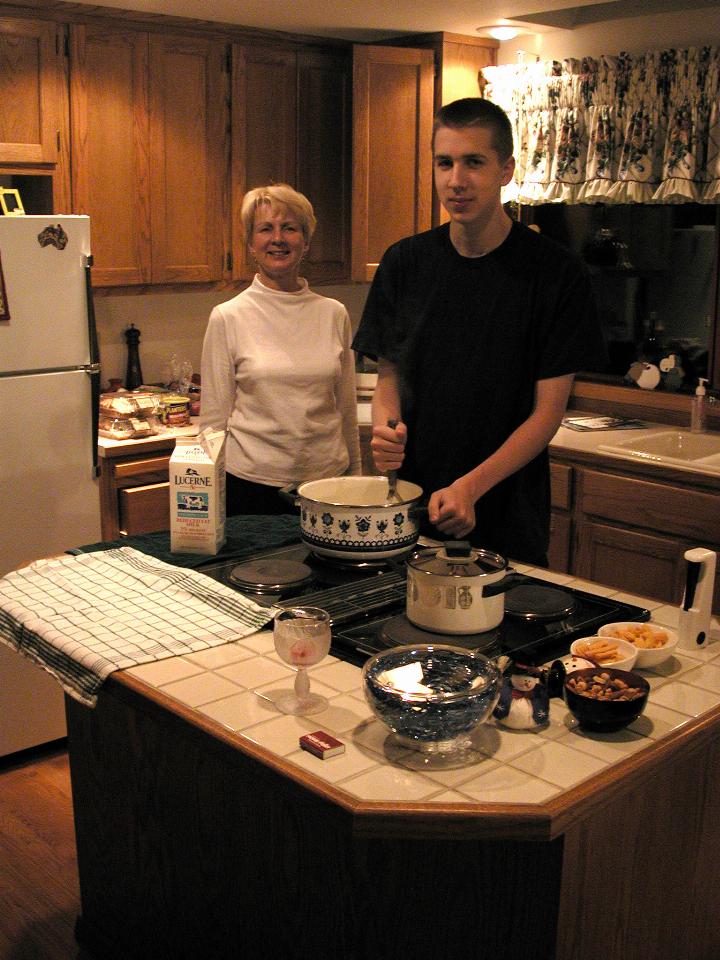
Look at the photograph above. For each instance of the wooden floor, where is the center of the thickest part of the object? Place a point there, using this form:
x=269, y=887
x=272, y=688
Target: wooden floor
x=39, y=895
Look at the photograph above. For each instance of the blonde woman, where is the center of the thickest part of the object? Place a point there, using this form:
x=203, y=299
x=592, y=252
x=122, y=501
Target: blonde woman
x=277, y=366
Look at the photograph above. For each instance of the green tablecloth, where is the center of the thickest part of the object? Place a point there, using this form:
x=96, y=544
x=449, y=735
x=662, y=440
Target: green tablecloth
x=245, y=536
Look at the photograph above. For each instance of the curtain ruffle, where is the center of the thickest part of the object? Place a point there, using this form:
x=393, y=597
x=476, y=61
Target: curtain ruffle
x=617, y=129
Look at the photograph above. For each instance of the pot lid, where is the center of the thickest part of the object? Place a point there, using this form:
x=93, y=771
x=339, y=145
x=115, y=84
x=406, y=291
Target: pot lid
x=457, y=558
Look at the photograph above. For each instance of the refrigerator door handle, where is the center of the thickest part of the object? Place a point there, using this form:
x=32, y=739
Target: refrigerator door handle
x=93, y=369
x=95, y=418
x=92, y=327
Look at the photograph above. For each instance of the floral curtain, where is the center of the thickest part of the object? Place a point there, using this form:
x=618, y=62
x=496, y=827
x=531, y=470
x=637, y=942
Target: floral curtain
x=626, y=129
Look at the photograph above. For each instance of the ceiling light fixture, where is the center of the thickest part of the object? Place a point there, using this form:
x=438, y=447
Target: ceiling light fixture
x=499, y=31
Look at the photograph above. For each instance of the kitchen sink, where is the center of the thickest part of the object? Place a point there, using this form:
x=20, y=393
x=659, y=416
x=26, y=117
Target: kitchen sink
x=693, y=451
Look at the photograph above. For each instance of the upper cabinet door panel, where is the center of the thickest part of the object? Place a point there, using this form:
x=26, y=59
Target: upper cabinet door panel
x=291, y=123
x=392, y=129
x=30, y=78
x=189, y=119
x=264, y=99
x=109, y=139
x=270, y=94
x=324, y=159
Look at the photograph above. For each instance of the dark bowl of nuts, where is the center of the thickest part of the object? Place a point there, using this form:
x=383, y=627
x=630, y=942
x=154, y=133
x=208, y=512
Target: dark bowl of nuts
x=603, y=699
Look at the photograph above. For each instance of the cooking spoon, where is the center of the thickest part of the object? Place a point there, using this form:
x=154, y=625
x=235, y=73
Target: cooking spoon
x=392, y=495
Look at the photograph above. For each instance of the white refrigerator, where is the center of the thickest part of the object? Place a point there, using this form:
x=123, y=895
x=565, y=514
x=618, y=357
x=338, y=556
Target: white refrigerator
x=49, y=389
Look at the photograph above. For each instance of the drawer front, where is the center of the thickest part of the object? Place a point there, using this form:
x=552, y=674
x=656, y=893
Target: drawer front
x=144, y=509
x=152, y=468
x=561, y=479
x=656, y=506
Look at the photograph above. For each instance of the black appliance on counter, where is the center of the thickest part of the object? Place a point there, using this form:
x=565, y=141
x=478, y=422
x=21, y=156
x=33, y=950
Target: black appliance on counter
x=366, y=603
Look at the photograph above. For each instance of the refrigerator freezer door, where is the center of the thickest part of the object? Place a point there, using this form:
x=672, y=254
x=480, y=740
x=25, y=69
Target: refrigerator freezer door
x=45, y=293
x=49, y=497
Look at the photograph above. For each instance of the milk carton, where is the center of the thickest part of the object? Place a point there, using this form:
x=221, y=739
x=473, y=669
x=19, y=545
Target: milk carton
x=197, y=493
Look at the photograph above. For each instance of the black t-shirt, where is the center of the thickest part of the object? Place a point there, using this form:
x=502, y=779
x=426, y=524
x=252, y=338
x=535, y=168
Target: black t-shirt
x=470, y=338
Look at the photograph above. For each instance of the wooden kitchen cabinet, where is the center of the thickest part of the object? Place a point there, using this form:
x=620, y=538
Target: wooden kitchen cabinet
x=189, y=144
x=134, y=493
x=291, y=114
x=633, y=532
x=392, y=162
x=34, y=118
x=31, y=78
x=109, y=142
x=324, y=157
x=150, y=153
x=146, y=118
x=459, y=62
x=630, y=529
x=561, y=491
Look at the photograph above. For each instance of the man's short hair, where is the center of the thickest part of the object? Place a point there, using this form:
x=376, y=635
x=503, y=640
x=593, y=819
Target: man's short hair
x=476, y=112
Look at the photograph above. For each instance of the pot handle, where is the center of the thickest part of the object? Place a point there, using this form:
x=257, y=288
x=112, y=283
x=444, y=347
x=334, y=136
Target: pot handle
x=509, y=581
x=419, y=512
x=289, y=493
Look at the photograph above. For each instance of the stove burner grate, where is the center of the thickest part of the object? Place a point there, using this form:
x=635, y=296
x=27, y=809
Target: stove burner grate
x=535, y=602
x=352, y=601
x=400, y=631
x=271, y=575
x=368, y=565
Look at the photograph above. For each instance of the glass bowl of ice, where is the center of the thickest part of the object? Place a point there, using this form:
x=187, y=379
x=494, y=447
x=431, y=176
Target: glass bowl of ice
x=431, y=696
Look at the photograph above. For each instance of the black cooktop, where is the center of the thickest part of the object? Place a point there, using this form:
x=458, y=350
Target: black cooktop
x=366, y=603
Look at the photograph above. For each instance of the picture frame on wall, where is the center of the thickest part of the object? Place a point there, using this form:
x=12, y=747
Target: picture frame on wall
x=11, y=203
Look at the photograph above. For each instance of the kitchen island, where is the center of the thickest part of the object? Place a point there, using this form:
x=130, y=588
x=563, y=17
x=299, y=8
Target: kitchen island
x=204, y=830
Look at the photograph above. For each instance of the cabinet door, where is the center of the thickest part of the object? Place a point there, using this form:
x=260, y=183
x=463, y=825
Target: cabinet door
x=323, y=158
x=463, y=59
x=30, y=91
x=264, y=111
x=392, y=161
x=109, y=137
x=189, y=120
x=291, y=124
x=648, y=565
x=559, y=547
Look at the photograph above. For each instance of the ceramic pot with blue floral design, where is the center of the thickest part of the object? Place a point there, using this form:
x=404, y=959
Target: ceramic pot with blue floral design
x=349, y=518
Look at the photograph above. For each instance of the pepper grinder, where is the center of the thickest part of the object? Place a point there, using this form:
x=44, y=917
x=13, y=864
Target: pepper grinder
x=133, y=376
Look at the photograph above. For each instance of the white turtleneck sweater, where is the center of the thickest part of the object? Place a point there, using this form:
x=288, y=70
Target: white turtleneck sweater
x=278, y=370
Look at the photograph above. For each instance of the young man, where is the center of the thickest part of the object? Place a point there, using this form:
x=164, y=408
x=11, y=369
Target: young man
x=478, y=327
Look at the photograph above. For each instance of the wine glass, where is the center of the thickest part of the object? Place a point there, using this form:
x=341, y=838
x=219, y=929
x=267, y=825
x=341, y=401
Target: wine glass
x=302, y=639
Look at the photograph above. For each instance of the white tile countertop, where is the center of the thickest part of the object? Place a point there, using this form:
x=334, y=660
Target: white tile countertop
x=233, y=688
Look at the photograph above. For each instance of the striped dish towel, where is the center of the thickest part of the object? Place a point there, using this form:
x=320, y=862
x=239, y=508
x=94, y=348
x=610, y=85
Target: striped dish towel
x=82, y=617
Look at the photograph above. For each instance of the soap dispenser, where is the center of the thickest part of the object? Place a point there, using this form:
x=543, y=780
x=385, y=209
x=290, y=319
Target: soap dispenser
x=698, y=411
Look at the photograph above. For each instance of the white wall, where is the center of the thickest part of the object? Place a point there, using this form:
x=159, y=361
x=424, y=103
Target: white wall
x=174, y=323
x=631, y=34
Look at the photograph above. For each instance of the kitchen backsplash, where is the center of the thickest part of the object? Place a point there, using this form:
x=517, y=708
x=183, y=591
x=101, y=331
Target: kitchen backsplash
x=175, y=323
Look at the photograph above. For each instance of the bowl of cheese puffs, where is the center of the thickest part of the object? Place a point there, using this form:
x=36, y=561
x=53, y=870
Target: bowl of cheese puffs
x=606, y=651
x=655, y=644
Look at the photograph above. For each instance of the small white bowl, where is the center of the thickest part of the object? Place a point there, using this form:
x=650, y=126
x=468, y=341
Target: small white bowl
x=647, y=656
x=627, y=652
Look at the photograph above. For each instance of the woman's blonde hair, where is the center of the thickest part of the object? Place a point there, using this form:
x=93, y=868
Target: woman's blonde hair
x=278, y=194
